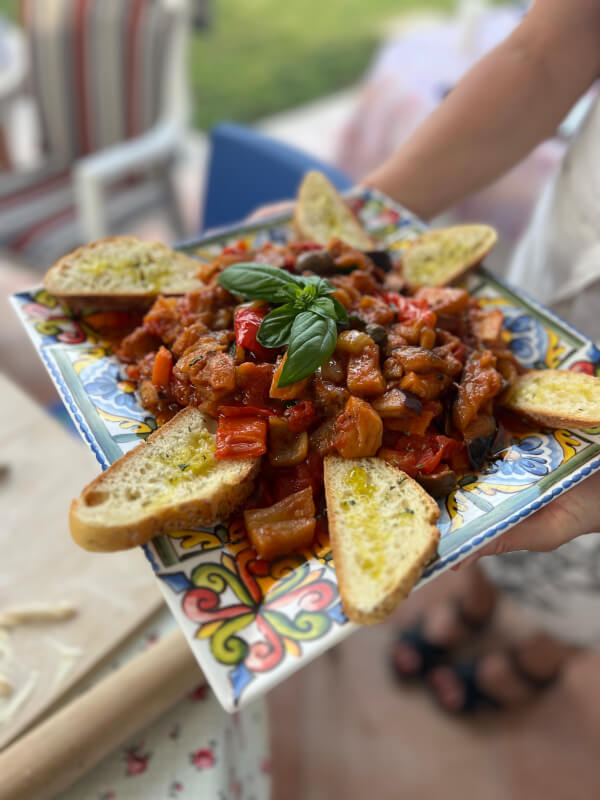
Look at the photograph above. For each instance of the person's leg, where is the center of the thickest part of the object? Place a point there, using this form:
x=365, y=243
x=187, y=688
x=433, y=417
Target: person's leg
x=509, y=677
x=446, y=625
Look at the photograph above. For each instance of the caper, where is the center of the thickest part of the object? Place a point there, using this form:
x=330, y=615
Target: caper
x=356, y=322
x=318, y=261
x=377, y=332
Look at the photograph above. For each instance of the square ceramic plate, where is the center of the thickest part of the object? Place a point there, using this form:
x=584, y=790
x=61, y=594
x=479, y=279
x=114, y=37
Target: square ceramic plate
x=251, y=623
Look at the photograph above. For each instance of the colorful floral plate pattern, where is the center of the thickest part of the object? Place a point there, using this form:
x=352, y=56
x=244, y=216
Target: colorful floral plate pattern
x=251, y=623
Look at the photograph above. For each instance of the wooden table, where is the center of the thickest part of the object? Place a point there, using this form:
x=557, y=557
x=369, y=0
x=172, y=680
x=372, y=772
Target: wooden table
x=43, y=468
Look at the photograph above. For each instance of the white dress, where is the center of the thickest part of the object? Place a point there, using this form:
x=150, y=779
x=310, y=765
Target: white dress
x=558, y=261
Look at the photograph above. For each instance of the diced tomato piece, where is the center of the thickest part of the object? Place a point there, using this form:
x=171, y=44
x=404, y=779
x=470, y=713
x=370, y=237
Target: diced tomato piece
x=301, y=416
x=163, y=366
x=246, y=324
x=293, y=479
x=305, y=247
x=245, y=411
x=402, y=459
x=237, y=248
x=254, y=382
x=415, y=454
x=410, y=309
x=239, y=437
x=133, y=372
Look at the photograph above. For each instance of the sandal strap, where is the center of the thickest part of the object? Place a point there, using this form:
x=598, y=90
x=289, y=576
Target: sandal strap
x=430, y=654
x=475, y=696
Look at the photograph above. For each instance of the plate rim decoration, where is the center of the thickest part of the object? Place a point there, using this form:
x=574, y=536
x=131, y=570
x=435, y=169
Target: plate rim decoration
x=249, y=625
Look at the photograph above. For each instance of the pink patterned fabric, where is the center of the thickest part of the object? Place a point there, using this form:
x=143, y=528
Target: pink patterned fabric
x=408, y=79
x=195, y=751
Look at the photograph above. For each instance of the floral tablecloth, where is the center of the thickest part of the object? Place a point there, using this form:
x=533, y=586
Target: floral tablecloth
x=195, y=750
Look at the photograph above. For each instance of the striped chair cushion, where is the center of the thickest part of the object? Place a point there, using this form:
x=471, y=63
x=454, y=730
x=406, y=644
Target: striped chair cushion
x=28, y=199
x=97, y=70
x=39, y=219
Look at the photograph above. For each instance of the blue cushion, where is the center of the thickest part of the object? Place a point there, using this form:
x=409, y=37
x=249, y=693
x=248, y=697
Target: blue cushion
x=247, y=169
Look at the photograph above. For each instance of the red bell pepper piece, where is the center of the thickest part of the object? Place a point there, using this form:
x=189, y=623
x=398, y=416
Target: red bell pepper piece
x=301, y=416
x=240, y=437
x=246, y=324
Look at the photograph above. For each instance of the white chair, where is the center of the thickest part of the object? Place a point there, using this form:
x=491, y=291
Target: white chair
x=109, y=88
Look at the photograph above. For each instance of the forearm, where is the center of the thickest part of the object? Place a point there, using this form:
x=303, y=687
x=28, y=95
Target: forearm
x=508, y=103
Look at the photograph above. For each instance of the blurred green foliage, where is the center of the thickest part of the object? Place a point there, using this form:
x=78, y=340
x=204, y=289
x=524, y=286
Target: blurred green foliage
x=262, y=56
x=9, y=8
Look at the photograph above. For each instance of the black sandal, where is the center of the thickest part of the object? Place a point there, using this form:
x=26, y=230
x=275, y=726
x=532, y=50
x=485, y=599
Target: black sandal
x=431, y=654
x=476, y=698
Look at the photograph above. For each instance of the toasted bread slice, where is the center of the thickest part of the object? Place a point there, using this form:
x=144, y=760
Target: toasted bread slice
x=383, y=533
x=441, y=256
x=556, y=398
x=322, y=214
x=171, y=482
x=121, y=272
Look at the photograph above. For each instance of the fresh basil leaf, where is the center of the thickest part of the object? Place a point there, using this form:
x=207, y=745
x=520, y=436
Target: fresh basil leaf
x=276, y=326
x=292, y=292
x=340, y=312
x=312, y=341
x=322, y=285
x=324, y=306
x=259, y=282
x=331, y=308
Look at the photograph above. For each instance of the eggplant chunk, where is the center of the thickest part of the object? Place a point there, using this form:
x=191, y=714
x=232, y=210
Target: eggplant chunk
x=318, y=261
x=395, y=403
x=439, y=483
x=381, y=259
x=479, y=438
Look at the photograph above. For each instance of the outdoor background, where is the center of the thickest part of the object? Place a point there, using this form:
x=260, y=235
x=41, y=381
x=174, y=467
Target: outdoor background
x=258, y=57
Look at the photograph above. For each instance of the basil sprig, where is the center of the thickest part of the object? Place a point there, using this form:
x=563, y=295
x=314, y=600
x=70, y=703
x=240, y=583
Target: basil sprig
x=305, y=317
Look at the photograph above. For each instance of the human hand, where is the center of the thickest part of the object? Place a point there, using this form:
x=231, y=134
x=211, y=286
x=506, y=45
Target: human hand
x=270, y=210
x=572, y=514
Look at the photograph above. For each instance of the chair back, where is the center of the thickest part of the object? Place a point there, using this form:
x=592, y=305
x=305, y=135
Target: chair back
x=97, y=70
x=247, y=169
